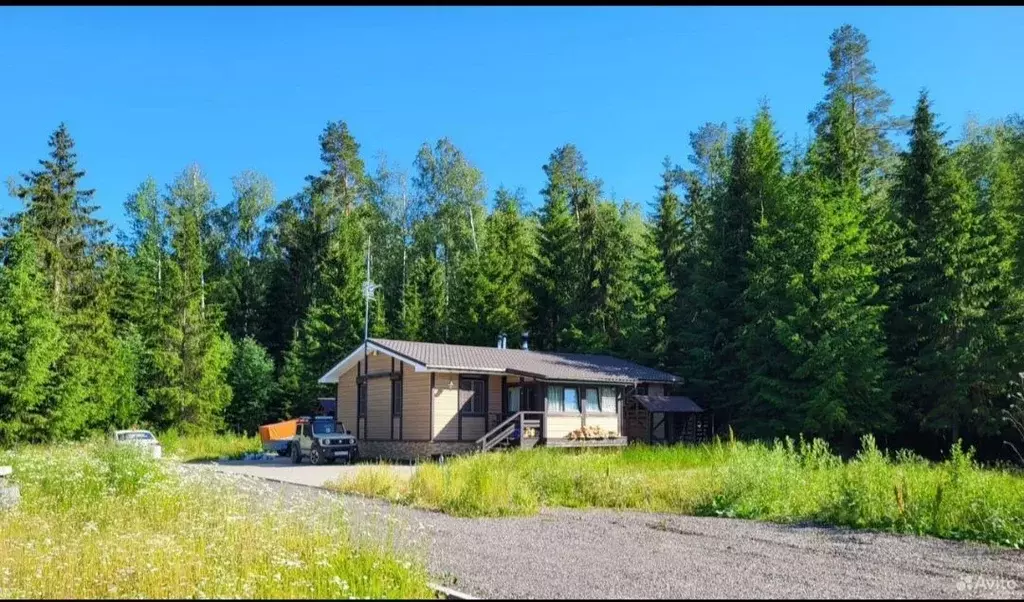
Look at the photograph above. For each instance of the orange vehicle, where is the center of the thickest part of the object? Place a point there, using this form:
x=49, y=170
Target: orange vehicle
x=279, y=436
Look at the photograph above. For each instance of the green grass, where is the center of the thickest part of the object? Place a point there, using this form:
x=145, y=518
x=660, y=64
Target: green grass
x=786, y=482
x=97, y=521
x=200, y=447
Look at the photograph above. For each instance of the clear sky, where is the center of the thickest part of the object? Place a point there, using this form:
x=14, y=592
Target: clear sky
x=146, y=91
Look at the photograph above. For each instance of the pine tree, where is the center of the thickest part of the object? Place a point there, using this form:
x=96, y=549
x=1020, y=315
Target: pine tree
x=343, y=180
x=851, y=76
x=303, y=231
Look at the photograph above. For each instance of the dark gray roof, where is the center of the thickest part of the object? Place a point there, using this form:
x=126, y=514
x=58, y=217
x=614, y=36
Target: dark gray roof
x=539, y=364
x=665, y=403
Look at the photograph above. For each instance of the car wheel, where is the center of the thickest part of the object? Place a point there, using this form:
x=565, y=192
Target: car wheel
x=296, y=454
x=315, y=457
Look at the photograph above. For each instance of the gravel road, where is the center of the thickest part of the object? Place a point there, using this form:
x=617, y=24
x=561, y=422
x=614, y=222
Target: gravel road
x=608, y=554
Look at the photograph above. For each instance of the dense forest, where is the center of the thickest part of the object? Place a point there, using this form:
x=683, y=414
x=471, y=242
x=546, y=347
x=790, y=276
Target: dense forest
x=847, y=286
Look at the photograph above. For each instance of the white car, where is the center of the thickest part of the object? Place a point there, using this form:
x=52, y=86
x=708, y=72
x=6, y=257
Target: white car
x=144, y=439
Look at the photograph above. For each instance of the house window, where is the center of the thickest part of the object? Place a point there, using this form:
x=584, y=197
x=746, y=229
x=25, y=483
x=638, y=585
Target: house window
x=396, y=397
x=477, y=387
x=571, y=400
x=641, y=389
x=514, y=394
x=361, y=399
x=592, y=400
x=563, y=399
x=554, y=398
x=608, y=398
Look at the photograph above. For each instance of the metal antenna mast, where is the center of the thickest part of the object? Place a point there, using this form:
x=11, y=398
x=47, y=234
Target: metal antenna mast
x=368, y=288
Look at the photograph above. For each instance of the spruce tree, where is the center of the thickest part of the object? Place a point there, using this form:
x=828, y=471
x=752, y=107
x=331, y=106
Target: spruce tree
x=194, y=353
x=59, y=212
x=31, y=344
x=724, y=281
x=943, y=286
x=669, y=228
x=776, y=290
x=251, y=377
x=507, y=261
x=557, y=282
x=845, y=355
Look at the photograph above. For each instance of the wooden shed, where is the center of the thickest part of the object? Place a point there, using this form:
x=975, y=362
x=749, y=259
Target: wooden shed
x=665, y=419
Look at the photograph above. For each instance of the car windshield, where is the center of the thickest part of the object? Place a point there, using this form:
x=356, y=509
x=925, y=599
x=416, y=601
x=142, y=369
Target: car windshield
x=324, y=427
x=135, y=436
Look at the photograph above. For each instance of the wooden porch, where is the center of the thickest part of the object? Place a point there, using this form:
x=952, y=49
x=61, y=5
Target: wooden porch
x=528, y=429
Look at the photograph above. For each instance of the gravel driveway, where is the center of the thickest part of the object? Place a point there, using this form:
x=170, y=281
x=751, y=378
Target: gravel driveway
x=609, y=554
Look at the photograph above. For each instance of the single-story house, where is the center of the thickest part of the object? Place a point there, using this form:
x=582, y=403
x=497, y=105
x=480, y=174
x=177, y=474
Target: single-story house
x=407, y=400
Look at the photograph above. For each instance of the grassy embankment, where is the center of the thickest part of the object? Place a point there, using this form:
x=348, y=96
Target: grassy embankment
x=209, y=446
x=97, y=521
x=787, y=483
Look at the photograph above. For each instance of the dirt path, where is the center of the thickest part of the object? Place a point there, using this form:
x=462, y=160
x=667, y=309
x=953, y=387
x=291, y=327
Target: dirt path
x=609, y=554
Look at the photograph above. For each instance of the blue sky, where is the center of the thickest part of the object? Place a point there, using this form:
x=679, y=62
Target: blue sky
x=146, y=91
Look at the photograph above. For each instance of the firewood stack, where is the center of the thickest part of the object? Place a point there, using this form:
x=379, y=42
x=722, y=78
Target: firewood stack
x=590, y=432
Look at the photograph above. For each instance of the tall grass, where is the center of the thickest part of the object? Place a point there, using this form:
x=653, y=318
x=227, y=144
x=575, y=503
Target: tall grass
x=208, y=446
x=104, y=522
x=785, y=482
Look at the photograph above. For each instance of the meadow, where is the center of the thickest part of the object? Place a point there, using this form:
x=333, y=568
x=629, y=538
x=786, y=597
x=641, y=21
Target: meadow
x=785, y=482
x=99, y=521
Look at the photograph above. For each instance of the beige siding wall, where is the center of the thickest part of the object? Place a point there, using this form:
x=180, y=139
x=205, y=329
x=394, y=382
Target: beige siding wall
x=472, y=427
x=446, y=407
x=347, y=398
x=494, y=402
x=380, y=363
x=378, y=407
x=608, y=423
x=560, y=426
x=415, y=405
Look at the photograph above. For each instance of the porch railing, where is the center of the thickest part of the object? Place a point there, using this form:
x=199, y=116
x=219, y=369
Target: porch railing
x=507, y=427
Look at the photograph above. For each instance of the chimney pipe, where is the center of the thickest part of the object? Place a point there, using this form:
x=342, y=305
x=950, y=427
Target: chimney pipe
x=526, y=340
x=499, y=341
x=504, y=341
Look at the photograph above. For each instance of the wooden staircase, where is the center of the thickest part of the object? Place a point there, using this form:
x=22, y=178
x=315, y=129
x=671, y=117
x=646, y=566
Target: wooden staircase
x=505, y=434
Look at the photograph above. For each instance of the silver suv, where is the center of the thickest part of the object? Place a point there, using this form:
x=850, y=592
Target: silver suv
x=323, y=441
